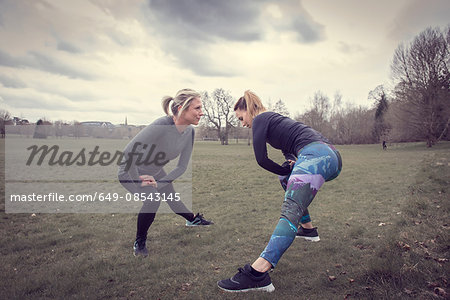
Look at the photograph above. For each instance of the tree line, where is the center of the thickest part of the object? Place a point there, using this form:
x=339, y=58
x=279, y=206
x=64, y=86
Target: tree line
x=417, y=108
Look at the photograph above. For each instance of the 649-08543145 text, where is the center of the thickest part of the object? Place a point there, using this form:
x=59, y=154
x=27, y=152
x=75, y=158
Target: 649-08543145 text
x=96, y=196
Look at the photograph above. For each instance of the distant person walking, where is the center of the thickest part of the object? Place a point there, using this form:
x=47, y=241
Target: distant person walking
x=384, y=145
x=172, y=136
x=316, y=161
x=40, y=130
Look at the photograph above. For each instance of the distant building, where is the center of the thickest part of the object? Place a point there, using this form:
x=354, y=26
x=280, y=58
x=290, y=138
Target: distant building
x=108, y=125
x=19, y=121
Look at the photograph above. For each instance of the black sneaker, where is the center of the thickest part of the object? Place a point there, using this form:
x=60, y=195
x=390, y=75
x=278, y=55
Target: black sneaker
x=140, y=248
x=244, y=281
x=308, y=234
x=199, y=221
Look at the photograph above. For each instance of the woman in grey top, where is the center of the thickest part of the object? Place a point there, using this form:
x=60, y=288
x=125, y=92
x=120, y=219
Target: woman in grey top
x=141, y=171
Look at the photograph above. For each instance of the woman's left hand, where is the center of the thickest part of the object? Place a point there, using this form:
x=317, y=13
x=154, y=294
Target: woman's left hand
x=291, y=163
x=148, y=180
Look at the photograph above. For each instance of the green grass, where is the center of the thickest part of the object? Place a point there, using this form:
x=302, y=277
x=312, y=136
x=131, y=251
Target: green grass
x=383, y=225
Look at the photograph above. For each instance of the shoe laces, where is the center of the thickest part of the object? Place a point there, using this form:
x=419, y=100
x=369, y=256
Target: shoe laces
x=242, y=272
x=200, y=218
x=139, y=244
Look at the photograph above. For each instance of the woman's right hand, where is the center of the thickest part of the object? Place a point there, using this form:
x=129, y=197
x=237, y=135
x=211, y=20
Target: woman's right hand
x=148, y=180
x=291, y=163
x=288, y=163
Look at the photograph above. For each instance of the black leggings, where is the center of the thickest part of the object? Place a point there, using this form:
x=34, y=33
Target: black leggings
x=148, y=210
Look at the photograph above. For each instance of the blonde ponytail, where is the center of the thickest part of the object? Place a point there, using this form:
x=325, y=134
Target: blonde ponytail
x=183, y=99
x=165, y=103
x=251, y=103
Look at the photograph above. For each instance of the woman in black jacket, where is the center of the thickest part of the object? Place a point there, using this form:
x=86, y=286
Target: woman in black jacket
x=310, y=161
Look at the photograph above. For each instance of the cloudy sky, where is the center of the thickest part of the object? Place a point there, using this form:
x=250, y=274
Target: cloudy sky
x=110, y=59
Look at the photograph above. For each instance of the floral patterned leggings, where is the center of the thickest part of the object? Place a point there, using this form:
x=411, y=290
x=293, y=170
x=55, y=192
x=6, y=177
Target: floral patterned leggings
x=317, y=163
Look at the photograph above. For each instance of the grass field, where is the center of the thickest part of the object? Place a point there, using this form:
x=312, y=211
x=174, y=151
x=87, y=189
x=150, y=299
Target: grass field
x=383, y=225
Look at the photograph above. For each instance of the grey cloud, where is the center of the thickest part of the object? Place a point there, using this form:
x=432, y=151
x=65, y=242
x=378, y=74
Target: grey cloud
x=349, y=48
x=119, y=9
x=298, y=21
x=33, y=102
x=10, y=82
x=67, y=47
x=234, y=20
x=307, y=30
x=9, y=61
x=45, y=105
x=4, y=7
x=36, y=60
x=416, y=15
x=205, y=20
x=199, y=24
x=51, y=65
x=194, y=59
x=120, y=38
x=189, y=29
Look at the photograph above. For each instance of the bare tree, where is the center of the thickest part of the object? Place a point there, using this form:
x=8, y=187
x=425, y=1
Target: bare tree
x=421, y=70
x=381, y=127
x=318, y=116
x=281, y=108
x=337, y=120
x=340, y=124
x=359, y=123
x=5, y=116
x=218, y=109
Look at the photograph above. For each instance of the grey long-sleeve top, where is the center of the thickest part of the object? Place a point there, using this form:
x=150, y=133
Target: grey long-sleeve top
x=153, y=147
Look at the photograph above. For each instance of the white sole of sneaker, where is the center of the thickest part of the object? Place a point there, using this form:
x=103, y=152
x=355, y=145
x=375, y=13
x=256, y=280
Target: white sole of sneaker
x=136, y=255
x=311, y=239
x=268, y=288
x=139, y=254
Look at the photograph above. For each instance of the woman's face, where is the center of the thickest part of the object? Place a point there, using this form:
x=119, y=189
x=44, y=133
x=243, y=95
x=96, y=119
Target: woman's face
x=192, y=115
x=244, y=117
